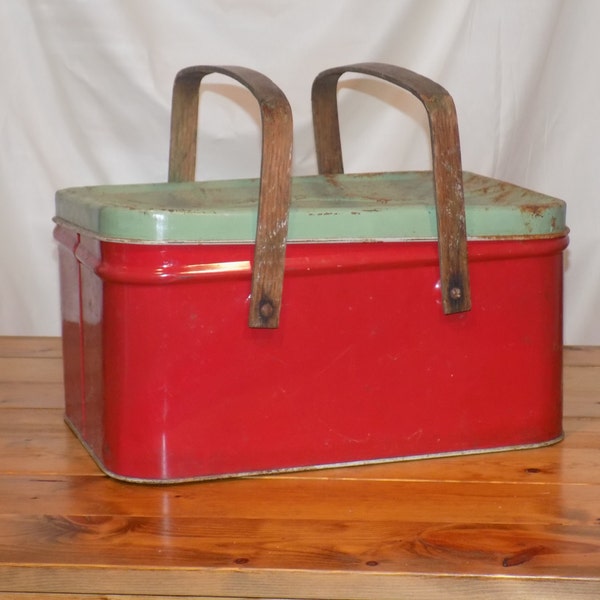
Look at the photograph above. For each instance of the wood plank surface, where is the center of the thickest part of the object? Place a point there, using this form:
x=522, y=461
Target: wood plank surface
x=30, y=347
x=41, y=434
x=520, y=524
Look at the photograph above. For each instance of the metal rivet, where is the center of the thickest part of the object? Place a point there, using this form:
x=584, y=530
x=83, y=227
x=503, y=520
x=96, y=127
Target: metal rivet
x=266, y=310
x=455, y=293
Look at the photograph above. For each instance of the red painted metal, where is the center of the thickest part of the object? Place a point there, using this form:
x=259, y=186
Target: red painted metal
x=165, y=380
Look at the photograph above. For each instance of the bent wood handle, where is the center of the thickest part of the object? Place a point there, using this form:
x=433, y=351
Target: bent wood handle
x=274, y=195
x=447, y=169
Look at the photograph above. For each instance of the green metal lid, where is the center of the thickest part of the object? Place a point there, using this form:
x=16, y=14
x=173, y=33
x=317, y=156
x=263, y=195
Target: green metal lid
x=385, y=206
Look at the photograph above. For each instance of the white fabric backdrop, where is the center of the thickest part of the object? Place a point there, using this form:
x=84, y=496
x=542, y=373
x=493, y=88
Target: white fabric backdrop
x=85, y=91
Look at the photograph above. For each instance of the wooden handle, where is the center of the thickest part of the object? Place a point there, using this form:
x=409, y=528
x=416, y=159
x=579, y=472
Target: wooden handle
x=447, y=169
x=274, y=196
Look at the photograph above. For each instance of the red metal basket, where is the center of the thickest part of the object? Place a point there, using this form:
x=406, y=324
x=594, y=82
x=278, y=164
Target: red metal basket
x=397, y=336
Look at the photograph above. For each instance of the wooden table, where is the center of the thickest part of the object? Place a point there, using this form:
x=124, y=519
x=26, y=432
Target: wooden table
x=510, y=525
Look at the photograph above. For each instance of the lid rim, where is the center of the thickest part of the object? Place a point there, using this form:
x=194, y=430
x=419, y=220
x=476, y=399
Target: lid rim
x=387, y=206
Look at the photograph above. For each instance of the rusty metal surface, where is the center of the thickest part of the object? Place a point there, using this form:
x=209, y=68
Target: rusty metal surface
x=354, y=207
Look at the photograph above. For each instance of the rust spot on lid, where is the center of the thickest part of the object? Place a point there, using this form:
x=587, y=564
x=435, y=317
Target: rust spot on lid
x=533, y=209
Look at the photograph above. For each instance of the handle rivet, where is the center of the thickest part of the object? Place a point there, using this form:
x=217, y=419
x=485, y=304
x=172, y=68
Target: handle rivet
x=455, y=293
x=266, y=310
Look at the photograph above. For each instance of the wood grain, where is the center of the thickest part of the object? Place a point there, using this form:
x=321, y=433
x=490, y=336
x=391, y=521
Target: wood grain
x=446, y=159
x=274, y=196
x=521, y=524
x=19, y=394
x=30, y=347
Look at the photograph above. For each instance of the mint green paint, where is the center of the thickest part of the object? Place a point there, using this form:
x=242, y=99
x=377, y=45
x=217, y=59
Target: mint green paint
x=342, y=207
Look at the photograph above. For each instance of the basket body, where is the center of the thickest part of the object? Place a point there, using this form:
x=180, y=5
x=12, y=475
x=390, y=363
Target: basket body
x=165, y=381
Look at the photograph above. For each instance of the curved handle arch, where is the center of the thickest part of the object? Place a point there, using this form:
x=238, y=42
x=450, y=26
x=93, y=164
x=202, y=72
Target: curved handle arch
x=275, y=173
x=447, y=169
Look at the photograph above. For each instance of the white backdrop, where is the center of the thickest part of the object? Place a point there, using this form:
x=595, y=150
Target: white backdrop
x=85, y=92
